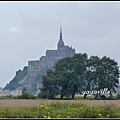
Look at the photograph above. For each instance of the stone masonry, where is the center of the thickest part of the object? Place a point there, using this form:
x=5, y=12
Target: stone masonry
x=46, y=62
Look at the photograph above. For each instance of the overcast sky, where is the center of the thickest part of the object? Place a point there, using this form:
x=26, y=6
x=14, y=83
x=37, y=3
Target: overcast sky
x=28, y=29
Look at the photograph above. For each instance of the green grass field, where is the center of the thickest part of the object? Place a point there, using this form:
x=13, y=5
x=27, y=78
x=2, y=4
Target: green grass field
x=61, y=110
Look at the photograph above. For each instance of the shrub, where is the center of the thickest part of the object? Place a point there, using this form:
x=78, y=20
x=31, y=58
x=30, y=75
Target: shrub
x=27, y=96
x=103, y=97
x=118, y=96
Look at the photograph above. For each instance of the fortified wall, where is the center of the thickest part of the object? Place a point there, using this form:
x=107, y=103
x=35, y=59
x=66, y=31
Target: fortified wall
x=39, y=67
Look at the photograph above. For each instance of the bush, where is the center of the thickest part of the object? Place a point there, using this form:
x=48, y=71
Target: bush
x=27, y=96
x=118, y=96
x=103, y=97
x=42, y=95
x=30, y=96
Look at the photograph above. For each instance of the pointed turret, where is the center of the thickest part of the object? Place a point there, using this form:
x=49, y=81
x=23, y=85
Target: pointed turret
x=60, y=43
x=60, y=31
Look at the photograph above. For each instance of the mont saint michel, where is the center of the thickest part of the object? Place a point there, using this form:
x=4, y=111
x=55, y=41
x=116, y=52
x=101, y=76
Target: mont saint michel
x=31, y=76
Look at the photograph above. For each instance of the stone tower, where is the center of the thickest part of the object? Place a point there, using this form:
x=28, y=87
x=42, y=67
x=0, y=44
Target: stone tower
x=39, y=67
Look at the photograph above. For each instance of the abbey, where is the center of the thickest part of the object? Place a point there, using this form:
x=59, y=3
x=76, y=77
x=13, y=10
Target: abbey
x=37, y=68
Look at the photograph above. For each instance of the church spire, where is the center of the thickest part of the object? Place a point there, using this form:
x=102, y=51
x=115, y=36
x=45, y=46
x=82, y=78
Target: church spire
x=60, y=30
x=60, y=43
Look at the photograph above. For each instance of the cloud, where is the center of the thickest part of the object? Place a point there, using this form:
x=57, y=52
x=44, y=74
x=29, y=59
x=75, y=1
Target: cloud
x=90, y=27
x=16, y=29
x=14, y=32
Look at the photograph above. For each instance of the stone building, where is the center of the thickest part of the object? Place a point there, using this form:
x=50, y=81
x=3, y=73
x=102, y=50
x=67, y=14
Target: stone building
x=4, y=92
x=39, y=67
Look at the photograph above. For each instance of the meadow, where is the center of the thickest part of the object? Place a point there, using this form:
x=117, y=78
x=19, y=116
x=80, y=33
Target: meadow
x=18, y=108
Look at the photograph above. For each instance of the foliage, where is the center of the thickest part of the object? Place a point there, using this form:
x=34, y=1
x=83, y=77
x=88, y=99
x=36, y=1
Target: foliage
x=118, y=96
x=72, y=75
x=103, y=72
x=61, y=110
x=26, y=95
x=66, y=79
x=50, y=89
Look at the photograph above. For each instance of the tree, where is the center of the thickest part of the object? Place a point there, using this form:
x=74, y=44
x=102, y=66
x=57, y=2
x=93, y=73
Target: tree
x=63, y=72
x=78, y=65
x=67, y=78
x=49, y=85
x=90, y=77
x=109, y=71
x=103, y=72
x=71, y=75
x=24, y=93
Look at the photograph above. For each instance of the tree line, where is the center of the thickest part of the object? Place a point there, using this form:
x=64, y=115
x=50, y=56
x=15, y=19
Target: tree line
x=72, y=75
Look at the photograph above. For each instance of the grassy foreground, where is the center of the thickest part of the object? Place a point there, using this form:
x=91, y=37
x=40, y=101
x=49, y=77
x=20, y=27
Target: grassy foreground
x=61, y=110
